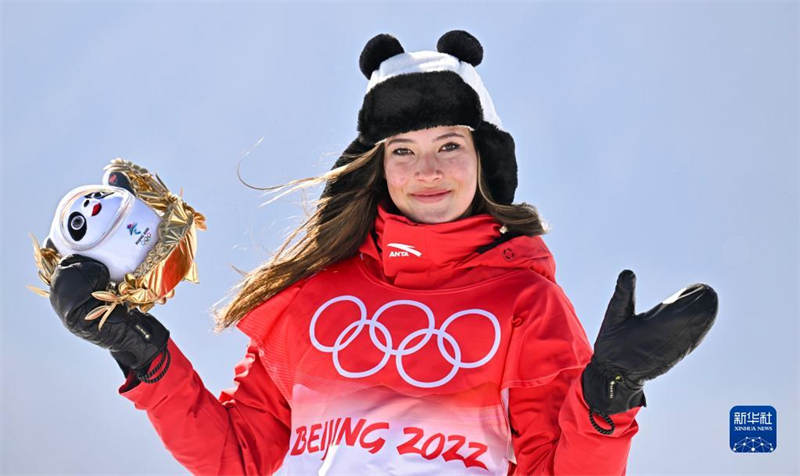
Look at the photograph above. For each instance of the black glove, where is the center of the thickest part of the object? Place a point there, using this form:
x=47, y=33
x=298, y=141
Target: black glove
x=632, y=348
x=134, y=338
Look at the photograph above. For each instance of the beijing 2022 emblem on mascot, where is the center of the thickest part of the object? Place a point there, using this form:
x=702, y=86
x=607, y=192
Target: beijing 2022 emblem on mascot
x=144, y=234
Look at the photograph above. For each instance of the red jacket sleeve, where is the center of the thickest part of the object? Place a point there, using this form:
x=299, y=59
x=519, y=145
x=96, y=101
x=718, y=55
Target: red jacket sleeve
x=245, y=431
x=552, y=434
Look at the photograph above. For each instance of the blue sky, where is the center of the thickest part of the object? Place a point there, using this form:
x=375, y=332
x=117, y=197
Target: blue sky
x=656, y=136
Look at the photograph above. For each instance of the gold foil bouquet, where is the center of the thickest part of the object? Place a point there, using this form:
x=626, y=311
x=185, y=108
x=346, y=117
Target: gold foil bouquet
x=142, y=232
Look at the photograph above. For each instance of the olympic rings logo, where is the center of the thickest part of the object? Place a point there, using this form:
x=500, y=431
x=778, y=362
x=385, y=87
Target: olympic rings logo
x=403, y=349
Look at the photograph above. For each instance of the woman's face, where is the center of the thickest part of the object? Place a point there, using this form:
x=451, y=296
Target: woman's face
x=432, y=173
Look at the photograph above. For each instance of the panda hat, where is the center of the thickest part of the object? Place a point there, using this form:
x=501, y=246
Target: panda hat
x=424, y=89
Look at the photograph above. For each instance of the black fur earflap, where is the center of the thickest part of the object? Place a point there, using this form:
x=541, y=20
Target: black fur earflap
x=379, y=48
x=462, y=45
x=498, y=160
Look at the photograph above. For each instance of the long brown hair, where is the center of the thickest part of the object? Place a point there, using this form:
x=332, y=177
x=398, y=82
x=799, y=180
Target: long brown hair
x=338, y=226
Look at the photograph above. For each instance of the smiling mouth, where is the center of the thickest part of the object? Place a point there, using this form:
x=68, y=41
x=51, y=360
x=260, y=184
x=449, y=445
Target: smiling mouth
x=96, y=209
x=430, y=197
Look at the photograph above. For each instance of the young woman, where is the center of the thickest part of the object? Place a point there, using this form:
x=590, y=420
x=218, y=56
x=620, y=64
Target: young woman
x=415, y=325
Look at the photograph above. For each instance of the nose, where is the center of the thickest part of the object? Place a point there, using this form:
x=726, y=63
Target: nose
x=428, y=168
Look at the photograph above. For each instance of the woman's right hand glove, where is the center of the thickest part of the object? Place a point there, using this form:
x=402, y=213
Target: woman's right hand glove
x=633, y=348
x=134, y=338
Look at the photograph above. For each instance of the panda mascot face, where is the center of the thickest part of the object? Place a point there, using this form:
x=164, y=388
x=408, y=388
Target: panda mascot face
x=106, y=223
x=90, y=216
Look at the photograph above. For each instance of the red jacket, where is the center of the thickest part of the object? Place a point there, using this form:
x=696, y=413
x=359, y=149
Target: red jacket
x=419, y=355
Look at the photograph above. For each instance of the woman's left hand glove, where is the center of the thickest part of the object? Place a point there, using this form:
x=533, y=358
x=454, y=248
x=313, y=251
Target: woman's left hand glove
x=135, y=339
x=632, y=348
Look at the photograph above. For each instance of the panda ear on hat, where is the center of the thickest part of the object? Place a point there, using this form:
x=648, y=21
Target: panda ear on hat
x=462, y=45
x=378, y=49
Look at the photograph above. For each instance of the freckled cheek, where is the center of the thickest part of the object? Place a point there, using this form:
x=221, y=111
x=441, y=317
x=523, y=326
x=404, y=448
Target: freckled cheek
x=396, y=179
x=472, y=179
x=461, y=169
x=395, y=182
x=463, y=177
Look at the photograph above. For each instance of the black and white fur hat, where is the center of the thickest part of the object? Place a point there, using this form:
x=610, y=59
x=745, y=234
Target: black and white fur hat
x=423, y=89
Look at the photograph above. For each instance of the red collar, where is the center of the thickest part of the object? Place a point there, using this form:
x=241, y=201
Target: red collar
x=417, y=255
x=422, y=256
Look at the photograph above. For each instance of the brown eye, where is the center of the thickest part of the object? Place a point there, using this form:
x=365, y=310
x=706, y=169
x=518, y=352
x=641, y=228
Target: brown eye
x=401, y=151
x=447, y=147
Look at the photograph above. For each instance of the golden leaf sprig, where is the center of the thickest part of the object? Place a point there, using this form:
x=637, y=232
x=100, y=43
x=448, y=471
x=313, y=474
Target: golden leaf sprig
x=113, y=301
x=46, y=260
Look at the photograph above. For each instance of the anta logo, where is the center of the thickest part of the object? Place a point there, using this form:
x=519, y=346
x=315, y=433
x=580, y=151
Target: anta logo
x=404, y=250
